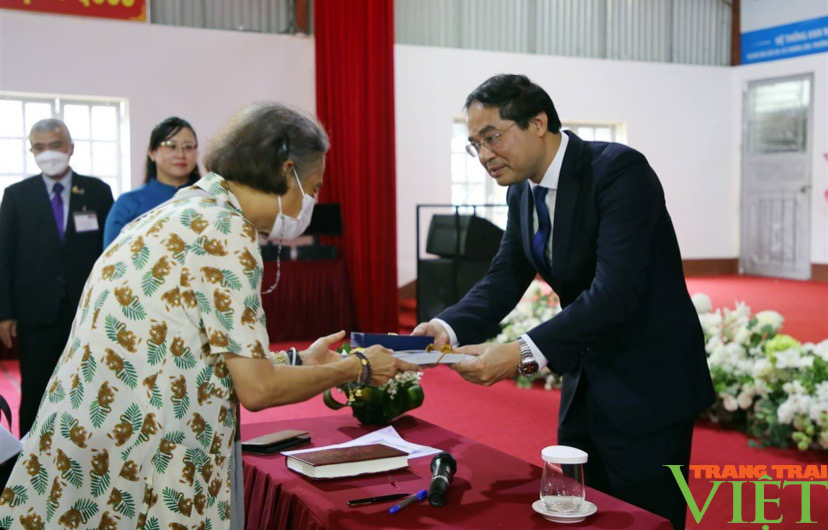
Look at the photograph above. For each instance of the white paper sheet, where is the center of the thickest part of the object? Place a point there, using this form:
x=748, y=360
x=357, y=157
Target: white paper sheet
x=387, y=436
x=9, y=444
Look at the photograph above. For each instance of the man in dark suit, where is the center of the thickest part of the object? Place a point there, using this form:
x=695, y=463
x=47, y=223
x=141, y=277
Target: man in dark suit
x=590, y=218
x=51, y=233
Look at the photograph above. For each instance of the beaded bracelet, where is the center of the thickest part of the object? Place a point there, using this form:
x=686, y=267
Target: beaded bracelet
x=367, y=373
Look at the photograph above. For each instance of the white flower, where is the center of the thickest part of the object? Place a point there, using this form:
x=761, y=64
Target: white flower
x=742, y=336
x=730, y=403
x=819, y=350
x=769, y=318
x=785, y=412
x=762, y=368
x=745, y=399
x=711, y=323
x=787, y=358
x=702, y=303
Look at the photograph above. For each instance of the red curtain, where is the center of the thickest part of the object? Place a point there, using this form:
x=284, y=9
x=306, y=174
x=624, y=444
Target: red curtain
x=355, y=102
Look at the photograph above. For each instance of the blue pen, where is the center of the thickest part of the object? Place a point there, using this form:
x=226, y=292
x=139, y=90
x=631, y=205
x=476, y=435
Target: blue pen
x=417, y=497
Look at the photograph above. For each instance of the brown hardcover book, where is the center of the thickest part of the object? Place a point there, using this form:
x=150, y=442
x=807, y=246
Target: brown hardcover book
x=347, y=461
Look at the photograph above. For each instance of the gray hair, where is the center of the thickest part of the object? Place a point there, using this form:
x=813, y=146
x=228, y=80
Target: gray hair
x=49, y=125
x=254, y=146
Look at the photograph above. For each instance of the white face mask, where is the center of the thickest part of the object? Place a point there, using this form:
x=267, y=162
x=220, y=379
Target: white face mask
x=285, y=227
x=52, y=163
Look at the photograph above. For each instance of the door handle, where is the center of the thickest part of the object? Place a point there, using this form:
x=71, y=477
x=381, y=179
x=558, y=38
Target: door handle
x=805, y=189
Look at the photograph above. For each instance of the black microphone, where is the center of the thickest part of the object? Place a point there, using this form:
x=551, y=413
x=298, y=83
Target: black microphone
x=443, y=467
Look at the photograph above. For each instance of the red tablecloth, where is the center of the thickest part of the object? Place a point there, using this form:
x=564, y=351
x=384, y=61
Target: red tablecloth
x=490, y=489
x=312, y=300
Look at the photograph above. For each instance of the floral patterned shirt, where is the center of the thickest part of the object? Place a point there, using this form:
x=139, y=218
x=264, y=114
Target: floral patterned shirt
x=136, y=428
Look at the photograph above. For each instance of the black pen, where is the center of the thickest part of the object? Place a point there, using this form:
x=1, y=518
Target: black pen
x=375, y=500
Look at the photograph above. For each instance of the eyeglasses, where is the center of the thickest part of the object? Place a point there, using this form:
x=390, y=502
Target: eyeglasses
x=490, y=142
x=172, y=145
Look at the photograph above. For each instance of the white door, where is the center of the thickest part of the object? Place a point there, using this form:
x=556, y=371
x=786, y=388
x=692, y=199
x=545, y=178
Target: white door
x=776, y=178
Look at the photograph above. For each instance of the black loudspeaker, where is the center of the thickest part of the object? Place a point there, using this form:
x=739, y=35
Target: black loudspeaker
x=270, y=251
x=444, y=281
x=315, y=252
x=325, y=221
x=463, y=236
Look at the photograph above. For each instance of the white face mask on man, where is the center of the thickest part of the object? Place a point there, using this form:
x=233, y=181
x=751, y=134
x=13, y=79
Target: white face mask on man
x=286, y=227
x=52, y=163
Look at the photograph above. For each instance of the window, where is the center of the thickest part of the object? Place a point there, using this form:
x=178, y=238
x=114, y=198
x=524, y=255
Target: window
x=98, y=128
x=470, y=184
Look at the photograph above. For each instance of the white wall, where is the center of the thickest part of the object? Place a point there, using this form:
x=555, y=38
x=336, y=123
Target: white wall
x=204, y=76
x=816, y=64
x=683, y=118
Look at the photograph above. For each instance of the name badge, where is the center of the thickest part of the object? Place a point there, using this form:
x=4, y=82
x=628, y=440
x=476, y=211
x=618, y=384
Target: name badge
x=86, y=222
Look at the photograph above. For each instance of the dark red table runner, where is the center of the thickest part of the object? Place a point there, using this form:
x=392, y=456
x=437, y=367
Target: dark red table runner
x=490, y=489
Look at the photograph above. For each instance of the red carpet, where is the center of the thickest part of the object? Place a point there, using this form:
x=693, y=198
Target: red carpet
x=522, y=422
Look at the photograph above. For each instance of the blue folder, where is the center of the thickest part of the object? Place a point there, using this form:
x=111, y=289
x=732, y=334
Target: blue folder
x=392, y=342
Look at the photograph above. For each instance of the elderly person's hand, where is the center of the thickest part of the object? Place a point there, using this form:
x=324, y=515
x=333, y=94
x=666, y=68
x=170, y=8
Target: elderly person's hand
x=384, y=365
x=433, y=329
x=320, y=351
x=492, y=363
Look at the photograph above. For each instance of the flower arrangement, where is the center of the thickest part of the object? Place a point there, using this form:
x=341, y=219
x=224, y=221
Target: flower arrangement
x=378, y=405
x=768, y=384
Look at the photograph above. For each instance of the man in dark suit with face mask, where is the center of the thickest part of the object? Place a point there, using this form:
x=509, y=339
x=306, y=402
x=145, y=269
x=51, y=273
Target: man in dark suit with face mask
x=51, y=233
x=591, y=219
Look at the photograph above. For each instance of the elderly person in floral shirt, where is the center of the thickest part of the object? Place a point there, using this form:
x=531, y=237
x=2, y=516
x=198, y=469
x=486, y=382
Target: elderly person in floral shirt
x=137, y=426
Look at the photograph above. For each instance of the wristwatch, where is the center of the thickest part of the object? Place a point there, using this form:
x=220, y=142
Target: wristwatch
x=528, y=365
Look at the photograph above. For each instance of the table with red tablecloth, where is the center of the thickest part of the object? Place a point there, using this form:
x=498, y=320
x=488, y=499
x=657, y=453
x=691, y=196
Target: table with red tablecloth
x=489, y=490
x=312, y=299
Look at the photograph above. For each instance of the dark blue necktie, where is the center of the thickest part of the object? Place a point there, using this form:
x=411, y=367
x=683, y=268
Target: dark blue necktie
x=57, y=207
x=544, y=226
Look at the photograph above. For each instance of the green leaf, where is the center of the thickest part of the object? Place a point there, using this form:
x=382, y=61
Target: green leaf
x=203, y=303
x=134, y=311
x=161, y=461
x=180, y=406
x=252, y=302
x=206, y=437
x=204, y=375
x=226, y=319
x=222, y=223
x=21, y=496
x=76, y=395
x=156, y=399
x=186, y=361
x=133, y=415
x=41, y=481
x=6, y=522
x=188, y=216
x=97, y=413
x=87, y=508
x=128, y=375
x=58, y=395
x=100, y=484
x=223, y=509
x=66, y=424
x=156, y=352
x=127, y=504
x=49, y=424
x=51, y=507
x=74, y=475
x=152, y=524
x=231, y=280
x=150, y=284
x=254, y=277
x=171, y=499
x=88, y=367
x=120, y=270
x=140, y=258
x=176, y=437
x=112, y=326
